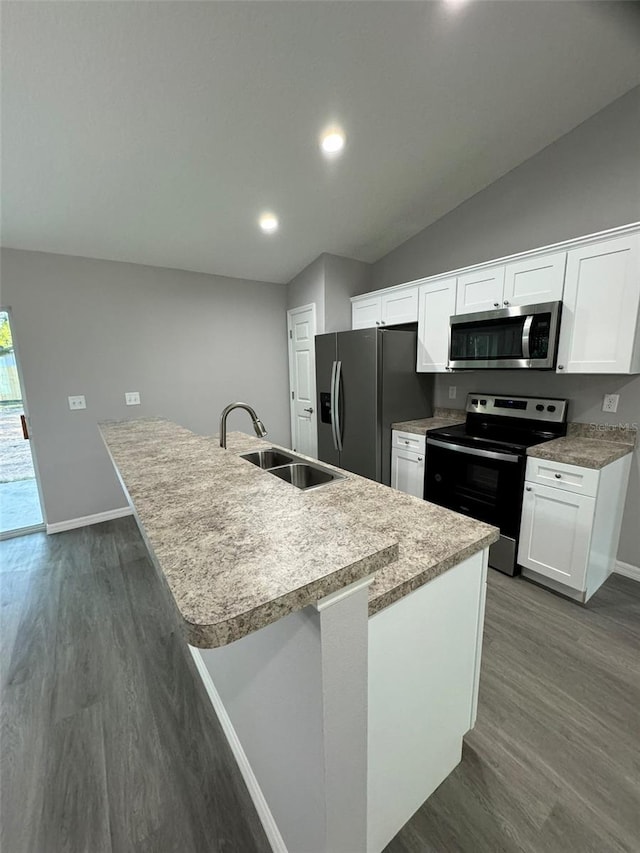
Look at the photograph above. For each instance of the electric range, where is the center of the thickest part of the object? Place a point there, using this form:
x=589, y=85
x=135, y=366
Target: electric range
x=478, y=468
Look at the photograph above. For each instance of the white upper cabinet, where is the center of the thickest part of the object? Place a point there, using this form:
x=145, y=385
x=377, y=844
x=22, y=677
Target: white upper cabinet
x=480, y=290
x=599, y=327
x=534, y=280
x=386, y=308
x=366, y=311
x=436, y=304
x=400, y=306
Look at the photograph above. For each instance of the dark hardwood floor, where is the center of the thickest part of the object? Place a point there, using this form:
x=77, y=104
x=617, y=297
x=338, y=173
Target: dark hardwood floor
x=109, y=742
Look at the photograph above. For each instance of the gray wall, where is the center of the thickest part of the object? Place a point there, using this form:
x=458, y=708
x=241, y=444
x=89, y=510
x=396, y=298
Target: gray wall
x=308, y=287
x=587, y=181
x=189, y=343
x=344, y=278
x=330, y=281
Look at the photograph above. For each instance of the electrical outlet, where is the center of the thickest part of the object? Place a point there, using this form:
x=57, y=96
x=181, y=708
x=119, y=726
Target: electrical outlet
x=453, y=390
x=78, y=402
x=610, y=402
x=132, y=398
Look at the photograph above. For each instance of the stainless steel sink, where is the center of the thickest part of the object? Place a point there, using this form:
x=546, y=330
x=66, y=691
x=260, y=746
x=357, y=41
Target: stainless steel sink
x=305, y=476
x=269, y=458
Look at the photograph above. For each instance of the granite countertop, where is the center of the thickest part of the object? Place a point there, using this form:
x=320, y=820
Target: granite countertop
x=240, y=548
x=588, y=445
x=441, y=418
x=585, y=452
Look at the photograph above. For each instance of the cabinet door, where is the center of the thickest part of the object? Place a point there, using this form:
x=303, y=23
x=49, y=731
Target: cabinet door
x=534, y=280
x=481, y=290
x=436, y=304
x=365, y=312
x=556, y=533
x=600, y=311
x=407, y=472
x=400, y=306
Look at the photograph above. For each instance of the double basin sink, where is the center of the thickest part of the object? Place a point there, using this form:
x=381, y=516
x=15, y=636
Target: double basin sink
x=292, y=469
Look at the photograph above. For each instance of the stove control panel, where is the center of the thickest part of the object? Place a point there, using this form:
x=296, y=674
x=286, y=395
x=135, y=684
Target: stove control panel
x=532, y=408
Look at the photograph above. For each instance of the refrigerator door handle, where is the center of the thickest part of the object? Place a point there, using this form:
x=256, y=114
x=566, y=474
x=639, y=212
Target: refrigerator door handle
x=336, y=420
x=334, y=398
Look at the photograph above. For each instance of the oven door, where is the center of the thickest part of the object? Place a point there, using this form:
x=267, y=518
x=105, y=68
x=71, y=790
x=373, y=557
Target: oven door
x=524, y=336
x=484, y=484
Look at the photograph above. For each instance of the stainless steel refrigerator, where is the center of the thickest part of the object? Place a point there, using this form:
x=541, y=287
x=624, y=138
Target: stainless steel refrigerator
x=366, y=380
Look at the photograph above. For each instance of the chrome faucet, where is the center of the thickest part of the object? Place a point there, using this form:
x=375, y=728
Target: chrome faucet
x=258, y=426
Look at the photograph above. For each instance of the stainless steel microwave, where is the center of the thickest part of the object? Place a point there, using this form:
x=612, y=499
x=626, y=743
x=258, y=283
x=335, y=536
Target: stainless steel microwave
x=523, y=336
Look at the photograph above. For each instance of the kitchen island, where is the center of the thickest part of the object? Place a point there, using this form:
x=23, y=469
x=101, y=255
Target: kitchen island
x=338, y=630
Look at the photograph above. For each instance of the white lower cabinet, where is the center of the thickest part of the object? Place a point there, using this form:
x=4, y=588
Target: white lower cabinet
x=568, y=540
x=407, y=463
x=556, y=533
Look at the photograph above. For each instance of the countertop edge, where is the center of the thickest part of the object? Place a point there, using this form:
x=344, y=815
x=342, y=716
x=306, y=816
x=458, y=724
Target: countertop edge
x=391, y=596
x=229, y=630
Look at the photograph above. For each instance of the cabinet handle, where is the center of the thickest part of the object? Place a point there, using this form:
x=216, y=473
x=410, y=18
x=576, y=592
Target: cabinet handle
x=528, y=488
x=406, y=442
x=557, y=476
x=377, y=322
x=561, y=367
x=506, y=301
x=382, y=322
x=496, y=304
x=419, y=458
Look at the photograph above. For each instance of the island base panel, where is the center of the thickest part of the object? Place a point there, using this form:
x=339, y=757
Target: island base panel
x=292, y=698
x=424, y=668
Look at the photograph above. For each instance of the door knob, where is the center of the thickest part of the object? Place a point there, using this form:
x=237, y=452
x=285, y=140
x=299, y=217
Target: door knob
x=419, y=458
x=308, y=410
x=506, y=301
x=496, y=304
x=528, y=488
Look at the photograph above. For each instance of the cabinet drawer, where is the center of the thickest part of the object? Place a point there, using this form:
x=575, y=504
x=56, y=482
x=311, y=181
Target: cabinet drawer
x=408, y=441
x=571, y=478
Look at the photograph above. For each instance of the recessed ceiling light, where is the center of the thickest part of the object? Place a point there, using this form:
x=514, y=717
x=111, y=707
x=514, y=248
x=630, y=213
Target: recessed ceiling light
x=268, y=222
x=332, y=141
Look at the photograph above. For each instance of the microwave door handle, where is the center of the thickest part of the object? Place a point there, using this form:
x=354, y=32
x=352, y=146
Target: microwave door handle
x=526, y=332
x=333, y=404
x=338, y=382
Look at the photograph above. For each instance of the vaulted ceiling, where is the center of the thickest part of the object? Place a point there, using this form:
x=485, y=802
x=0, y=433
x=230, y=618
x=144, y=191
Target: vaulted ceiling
x=157, y=132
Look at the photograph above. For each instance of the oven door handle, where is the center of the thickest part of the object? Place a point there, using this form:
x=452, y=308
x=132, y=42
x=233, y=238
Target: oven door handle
x=474, y=451
x=526, y=332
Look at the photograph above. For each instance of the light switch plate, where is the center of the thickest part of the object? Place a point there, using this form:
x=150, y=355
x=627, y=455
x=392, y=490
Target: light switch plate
x=610, y=402
x=453, y=390
x=77, y=402
x=132, y=398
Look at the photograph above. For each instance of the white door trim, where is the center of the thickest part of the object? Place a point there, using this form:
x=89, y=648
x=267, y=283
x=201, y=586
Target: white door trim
x=291, y=313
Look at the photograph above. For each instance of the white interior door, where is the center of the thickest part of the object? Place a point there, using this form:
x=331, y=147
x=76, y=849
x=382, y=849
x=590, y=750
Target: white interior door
x=301, y=324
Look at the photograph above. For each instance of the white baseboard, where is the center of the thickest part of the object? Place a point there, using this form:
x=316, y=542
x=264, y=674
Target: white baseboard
x=85, y=520
x=264, y=812
x=627, y=570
